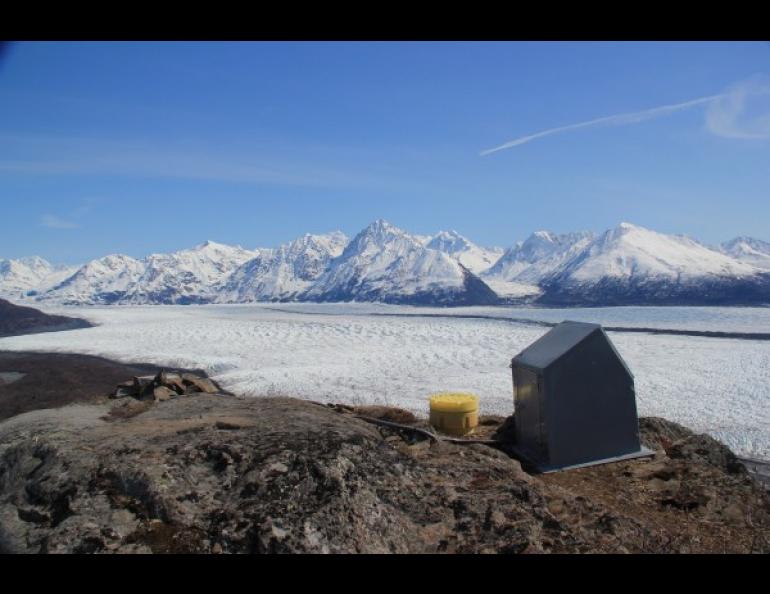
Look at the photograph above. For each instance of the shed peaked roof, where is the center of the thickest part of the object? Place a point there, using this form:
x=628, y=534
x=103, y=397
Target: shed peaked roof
x=547, y=349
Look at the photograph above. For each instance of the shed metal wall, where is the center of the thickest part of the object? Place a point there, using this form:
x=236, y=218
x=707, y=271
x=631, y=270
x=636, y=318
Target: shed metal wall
x=583, y=408
x=590, y=405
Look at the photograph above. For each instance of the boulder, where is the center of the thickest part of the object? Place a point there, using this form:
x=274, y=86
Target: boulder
x=144, y=386
x=173, y=383
x=123, y=393
x=177, y=386
x=162, y=393
x=171, y=380
x=202, y=384
x=124, y=390
x=167, y=377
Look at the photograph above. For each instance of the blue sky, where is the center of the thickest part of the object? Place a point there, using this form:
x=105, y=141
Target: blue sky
x=147, y=147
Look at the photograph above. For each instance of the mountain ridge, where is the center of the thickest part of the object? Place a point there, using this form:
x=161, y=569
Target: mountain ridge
x=625, y=265
x=384, y=263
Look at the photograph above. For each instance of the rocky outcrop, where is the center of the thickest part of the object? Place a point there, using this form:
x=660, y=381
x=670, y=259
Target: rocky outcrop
x=32, y=381
x=212, y=473
x=166, y=385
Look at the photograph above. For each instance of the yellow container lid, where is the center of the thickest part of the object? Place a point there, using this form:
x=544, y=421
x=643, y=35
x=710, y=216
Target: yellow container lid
x=454, y=402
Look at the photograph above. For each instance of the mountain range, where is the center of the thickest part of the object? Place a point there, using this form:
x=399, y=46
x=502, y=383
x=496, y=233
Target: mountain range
x=622, y=266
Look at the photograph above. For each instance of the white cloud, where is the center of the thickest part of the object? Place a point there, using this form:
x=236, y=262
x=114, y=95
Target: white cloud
x=286, y=165
x=613, y=120
x=743, y=111
x=54, y=222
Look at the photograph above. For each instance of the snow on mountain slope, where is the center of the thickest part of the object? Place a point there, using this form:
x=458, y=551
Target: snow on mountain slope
x=519, y=271
x=627, y=265
x=475, y=258
x=512, y=291
x=628, y=250
x=186, y=276
x=19, y=276
x=101, y=281
x=630, y=264
x=58, y=274
x=747, y=249
x=30, y=275
x=282, y=274
x=384, y=263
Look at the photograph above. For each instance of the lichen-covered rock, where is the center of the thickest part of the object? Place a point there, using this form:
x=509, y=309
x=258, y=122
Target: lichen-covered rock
x=657, y=433
x=217, y=474
x=708, y=450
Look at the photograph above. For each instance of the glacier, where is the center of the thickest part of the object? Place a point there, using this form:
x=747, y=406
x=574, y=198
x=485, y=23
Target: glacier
x=352, y=353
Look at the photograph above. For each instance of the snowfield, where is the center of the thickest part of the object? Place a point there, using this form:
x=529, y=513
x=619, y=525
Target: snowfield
x=351, y=353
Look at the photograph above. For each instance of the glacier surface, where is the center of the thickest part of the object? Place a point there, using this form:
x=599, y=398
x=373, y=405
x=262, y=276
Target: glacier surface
x=351, y=353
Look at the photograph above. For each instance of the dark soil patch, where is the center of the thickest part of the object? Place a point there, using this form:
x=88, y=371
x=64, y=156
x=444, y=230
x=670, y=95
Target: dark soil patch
x=52, y=380
x=168, y=539
x=16, y=320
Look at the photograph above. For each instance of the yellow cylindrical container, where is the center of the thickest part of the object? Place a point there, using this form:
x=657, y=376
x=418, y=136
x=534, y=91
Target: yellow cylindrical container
x=454, y=413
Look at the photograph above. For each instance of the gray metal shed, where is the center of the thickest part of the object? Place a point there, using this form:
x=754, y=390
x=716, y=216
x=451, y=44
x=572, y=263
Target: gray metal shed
x=575, y=403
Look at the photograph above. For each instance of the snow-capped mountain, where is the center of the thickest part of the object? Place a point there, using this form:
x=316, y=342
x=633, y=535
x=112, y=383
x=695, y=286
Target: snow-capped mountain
x=187, y=276
x=749, y=250
x=625, y=265
x=20, y=277
x=631, y=264
x=539, y=256
x=520, y=270
x=384, y=263
x=475, y=258
x=102, y=281
x=285, y=273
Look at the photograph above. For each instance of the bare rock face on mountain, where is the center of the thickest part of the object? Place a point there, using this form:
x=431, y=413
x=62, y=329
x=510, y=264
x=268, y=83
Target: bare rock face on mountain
x=16, y=320
x=212, y=473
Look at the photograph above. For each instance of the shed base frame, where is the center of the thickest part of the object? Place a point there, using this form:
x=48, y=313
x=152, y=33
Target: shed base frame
x=542, y=469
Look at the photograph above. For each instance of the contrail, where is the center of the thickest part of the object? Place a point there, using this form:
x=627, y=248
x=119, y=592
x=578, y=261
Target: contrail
x=619, y=119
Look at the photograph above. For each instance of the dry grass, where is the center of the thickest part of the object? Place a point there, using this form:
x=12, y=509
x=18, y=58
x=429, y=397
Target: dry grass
x=386, y=413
